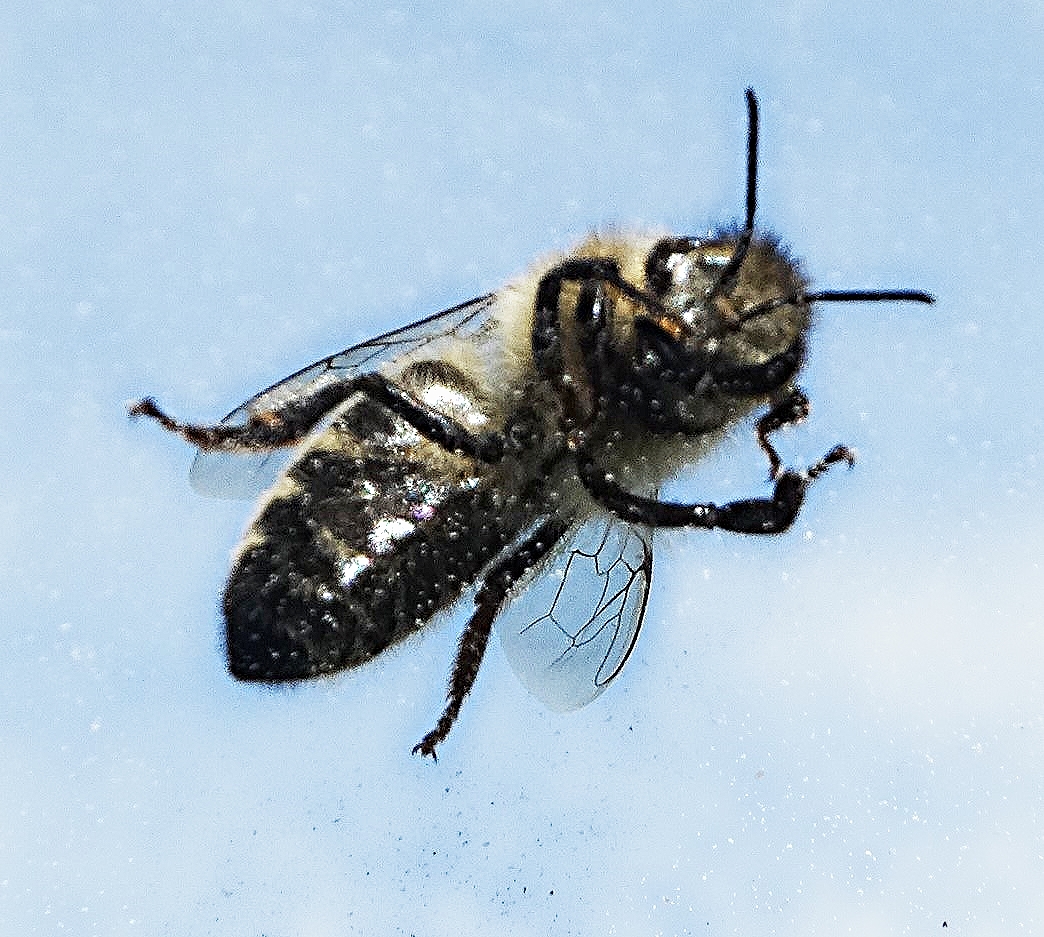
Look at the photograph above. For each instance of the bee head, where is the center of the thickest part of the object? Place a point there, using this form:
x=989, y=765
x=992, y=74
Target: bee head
x=712, y=314
x=713, y=332
x=723, y=320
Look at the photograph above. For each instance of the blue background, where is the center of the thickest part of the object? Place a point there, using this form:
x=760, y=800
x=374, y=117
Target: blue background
x=839, y=731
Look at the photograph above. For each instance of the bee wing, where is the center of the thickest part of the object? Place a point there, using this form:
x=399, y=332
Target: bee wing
x=237, y=475
x=574, y=621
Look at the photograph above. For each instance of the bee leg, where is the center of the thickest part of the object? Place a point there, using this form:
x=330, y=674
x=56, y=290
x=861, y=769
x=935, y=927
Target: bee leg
x=547, y=328
x=473, y=641
x=585, y=269
x=263, y=431
x=749, y=516
x=590, y=315
x=287, y=424
x=791, y=409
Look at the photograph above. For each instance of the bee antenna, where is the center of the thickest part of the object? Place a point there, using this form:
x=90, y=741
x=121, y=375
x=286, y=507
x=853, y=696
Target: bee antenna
x=869, y=296
x=731, y=269
x=838, y=296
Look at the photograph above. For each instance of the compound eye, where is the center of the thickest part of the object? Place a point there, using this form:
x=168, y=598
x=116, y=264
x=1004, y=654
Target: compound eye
x=663, y=260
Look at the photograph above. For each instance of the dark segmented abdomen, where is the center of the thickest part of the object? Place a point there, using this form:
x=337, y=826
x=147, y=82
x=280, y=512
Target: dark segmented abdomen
x=371, y=531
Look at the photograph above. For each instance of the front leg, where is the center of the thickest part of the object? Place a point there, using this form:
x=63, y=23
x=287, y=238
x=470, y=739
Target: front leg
x=750, y=516
x=789, y=410
x=288, y=425
x=590, y=312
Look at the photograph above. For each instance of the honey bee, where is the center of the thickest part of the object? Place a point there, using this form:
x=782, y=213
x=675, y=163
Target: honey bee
x=512, y=448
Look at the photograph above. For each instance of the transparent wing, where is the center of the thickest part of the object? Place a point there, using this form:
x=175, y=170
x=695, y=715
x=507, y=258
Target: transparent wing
x=245, y=475
x=575, y=620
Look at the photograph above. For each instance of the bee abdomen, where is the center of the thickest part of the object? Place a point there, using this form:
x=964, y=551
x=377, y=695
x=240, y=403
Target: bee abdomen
x=325, y=582
x=287, y=617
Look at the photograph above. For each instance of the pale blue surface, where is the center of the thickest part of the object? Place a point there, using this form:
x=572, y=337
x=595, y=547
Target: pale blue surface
x=197, y=199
